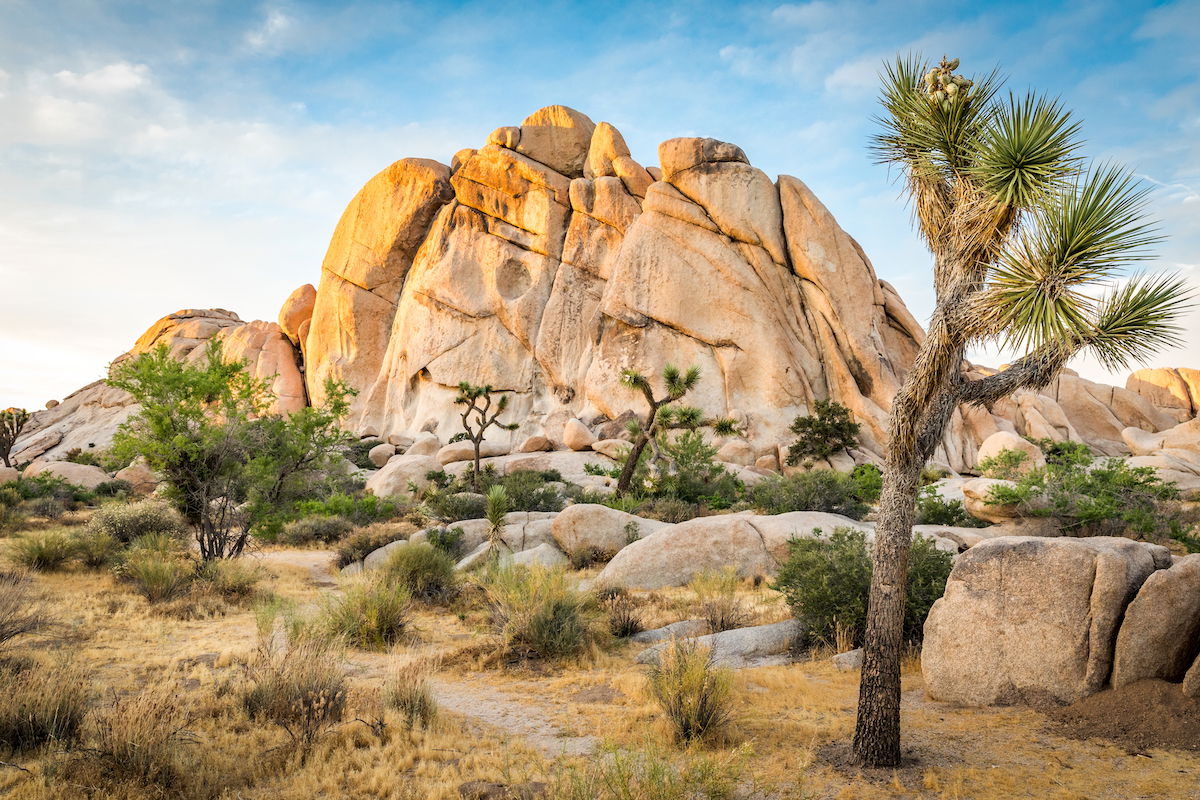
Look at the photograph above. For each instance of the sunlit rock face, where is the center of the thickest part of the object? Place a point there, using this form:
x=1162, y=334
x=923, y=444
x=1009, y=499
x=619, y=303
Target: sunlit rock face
x=547, y=261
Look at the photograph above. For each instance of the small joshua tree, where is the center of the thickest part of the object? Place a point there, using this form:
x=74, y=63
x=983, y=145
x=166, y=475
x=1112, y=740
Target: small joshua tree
x=660, y=418
x=480, y=414
x=12, y=421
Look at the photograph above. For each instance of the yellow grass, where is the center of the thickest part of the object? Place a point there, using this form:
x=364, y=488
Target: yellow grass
x=509, y=723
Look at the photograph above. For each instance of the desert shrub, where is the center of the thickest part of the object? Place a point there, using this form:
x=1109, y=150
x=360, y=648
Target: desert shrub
x=668, y=509
x=1005, y=465
x=933, y=509
x=931, y=473
x=21, y=609
x=584, y=557
x=371, y=613
x=49, y=507
x=716, y=599
x=10, y=497
x=127, y=522
x=315, y=530
x=113, y=488
x=358, y=453
x=454, y=505
x=426, y=572
x=407, y=692
x=359, y=509
x=45, y=485
x=299, y=685
x=650, y=773
x=1108, y=498
x=448, y=540
x=828, y=430
x=141, y=739
x=621, y=611
x=233, y=580
x=155, y=575
x=870, y=482
x=40, y=706
x=693, y=474
x=529, y=490
x=826, y=581
x=96, y=550
x=694, y=693
x=42, y=551
x=77, y=455
x=816, y=490
x=537, y=614
x=363, y=542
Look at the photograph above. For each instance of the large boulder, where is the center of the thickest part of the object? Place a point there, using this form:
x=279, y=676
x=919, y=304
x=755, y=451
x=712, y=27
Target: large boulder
x=85, y=475
x=381, y=454
x=558, y=137
x=8, y=474
x=1028, y=620
x=395, y=476
x=143, y=479
x=296, y=312
x=1160, y=635
x=757, y=646
x=465, y=451
x=1000, y=441
x=589, y=527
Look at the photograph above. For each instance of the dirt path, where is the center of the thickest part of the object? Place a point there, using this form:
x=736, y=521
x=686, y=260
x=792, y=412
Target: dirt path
x=319, y=563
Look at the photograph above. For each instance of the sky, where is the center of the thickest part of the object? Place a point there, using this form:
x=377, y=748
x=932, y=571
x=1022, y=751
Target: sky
x=164, y=155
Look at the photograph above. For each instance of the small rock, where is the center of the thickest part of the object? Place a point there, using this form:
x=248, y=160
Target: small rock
x=534, y=444
x=613, y=448
x=849, y=661
x=759, y=645
x=544, y=555
x=381, y=453
x=426, y=444
x=684, y=629
x=576, y=435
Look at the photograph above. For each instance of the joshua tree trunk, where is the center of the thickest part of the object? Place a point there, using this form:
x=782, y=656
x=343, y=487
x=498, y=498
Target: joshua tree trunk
x=631, y=462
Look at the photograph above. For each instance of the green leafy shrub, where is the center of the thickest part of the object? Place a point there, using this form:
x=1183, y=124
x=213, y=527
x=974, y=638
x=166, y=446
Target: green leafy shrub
x=126, y=522
x=40, y=706
x=537, y=614
x=528, y=490
x=826, y=581
x=1005, y=465
x=668, y=509
x=816, y=490
x=453, y=505
x=359, y=509
x=364, y=541
x=870, y=482
x=448, y=540
x=96, y=550
x=1108, y=498
x=315, y=530
x=692, y=473
x=694, y=694
x=819, y=435
x=42, y=551
x=426, y=572
x=371, y=613
x=933, y=509
x=115, y=488
x=717, y=601
x=157, y=576
x=50, y=508
x=46, y=485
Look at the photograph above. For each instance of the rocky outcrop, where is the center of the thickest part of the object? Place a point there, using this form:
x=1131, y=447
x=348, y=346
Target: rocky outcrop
x=1026, y=620
x=85, y=475
x=756, y=646
x=1160, y=635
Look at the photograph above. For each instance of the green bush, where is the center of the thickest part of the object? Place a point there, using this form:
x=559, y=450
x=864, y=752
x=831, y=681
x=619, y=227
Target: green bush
x=315, y=530
x=361, y=509
x=50, y=508
x=156, y=576
x=819, y=435
x=528, y=490
x=233, y=579
x=694, y=476
x=42, y=551
x=45, y=485
x=816, y=490
x=827, y=581
x=537, y=614
x=870, y=482
x=364, y=541
x=1006, y=465
x=694, y=694
x=448, y=540
x=126, y=522
x=96, y=550
x=1108, y=498
x=116, y=488
x=426, y=572
x=668, y=509
x=371, y=613
x=933, y=509
x=454, y=504
x=40, y=706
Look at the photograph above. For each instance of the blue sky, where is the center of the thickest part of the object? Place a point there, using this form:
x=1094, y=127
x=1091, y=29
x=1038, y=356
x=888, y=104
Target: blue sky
x=164, y=155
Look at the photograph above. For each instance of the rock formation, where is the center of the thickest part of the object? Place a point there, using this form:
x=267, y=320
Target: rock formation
x=548, y=261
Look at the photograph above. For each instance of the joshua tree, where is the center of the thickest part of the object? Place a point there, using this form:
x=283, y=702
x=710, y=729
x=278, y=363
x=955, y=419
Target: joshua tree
x=659, y=418
x=12, y=421
x=1027, y=241
x=478, y=416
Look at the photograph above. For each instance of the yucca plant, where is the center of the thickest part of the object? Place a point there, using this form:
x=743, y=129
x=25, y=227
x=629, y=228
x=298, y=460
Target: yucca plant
x=1029, y=242
x=660, y=418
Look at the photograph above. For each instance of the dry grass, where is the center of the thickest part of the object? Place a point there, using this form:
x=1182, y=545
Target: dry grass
x=788, y=717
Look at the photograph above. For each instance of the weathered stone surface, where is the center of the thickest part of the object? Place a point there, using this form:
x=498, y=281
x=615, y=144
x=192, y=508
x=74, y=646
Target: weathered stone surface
x=377, y=559
x=1175, y=391
x=613, y=448
x=976, y=493
x=296, y=311
x=140, y=477
x=269, y=356
x=381, y=454
x=534, y=444
x=85, y=475
x=737, y=451
x=544, y=555
x=1160, y=635
x=1026, y=619
x=684, y=629
x=849, y=661
x=558, y=137
x=585, y=526
x=425, y=444
x=761, y=645
x=577, y=436
x=1140, y=442
x=393, y=479
x=8, y=474
x=1000, y=441
x=465, y=451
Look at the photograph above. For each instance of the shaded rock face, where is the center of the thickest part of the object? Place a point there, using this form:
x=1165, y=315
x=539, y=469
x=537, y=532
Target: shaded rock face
x=1030, y=620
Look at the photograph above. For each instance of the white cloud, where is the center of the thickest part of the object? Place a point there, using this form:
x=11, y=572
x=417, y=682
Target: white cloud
x=807, y=15
x=119, y=77
x=269, y=36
